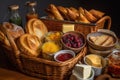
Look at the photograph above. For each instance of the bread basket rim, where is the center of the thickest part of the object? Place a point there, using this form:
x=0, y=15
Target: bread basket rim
x=72, y=22
x=54, y=63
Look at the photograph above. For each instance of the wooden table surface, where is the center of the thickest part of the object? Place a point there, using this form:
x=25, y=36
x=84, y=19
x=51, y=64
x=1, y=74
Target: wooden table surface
x=8, y=73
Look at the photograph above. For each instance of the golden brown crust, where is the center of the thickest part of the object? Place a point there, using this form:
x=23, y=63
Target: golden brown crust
x=81, y=10
x=82, y=18
x=14, y=30
x=75, y=10
x=55, y=12
x=63, y=12
x=89, y=16
x=98, y=14
x=4, y=40
x=9, y=31
x=36, y=27
x=72, y=15
x=29, y=44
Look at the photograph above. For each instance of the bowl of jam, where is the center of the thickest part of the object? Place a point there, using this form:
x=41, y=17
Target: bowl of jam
x=73, y=40
x=114, y=63
x=64, y=55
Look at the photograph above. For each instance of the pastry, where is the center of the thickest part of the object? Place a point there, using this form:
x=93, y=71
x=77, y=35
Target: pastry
x=89, y=16
x=72, y=15
x=63, y=12
x=81, y=10
x=14, y=30
x=29, y=44
x=98, y=14
x=82, y=18
x=36, y=27
x=55, y=12
x=9, y=32
x=74, y=10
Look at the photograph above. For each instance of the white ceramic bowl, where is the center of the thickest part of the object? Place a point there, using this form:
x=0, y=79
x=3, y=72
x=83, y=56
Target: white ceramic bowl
x=70, y=54
x=98, y=70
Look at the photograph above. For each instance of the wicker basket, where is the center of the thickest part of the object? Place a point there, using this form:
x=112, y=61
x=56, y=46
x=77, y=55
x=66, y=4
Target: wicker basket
x=55, y=25
x=45, y=69
x=39, y=67
x=49, y=70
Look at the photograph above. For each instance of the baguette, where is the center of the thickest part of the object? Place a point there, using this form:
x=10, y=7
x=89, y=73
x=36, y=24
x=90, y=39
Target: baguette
x=55, y=12
x=82, y=18
x=98, y=14
x=63, y=12
x=89, y=16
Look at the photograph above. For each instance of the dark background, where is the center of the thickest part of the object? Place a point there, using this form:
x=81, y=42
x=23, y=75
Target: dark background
x=110, y=7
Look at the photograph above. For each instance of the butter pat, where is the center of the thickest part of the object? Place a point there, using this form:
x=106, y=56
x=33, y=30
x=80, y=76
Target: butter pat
x=94, y=60
x=67, y=27
x=83, y=71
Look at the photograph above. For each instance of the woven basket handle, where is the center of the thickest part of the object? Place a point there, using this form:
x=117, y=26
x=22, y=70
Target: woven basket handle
x=106, y=18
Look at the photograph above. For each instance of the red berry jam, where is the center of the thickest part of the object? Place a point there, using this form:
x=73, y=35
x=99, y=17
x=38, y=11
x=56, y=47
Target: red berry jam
x=64, y=57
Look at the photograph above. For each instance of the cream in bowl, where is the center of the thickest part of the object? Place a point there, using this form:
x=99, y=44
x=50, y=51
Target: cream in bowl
x=97, y=62
x=64, y=55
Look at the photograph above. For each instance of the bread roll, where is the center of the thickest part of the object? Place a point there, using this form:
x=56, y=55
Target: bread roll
x=14, y=30
x=82, y=18
x=63, y=12
x=72, y=15
x=89, y=16
x=55, y=12
x=29, y=44
x=98, y=14
x=81, y=10
x=36, y=27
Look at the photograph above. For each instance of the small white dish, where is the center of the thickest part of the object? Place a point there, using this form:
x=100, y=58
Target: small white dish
x=64, y=55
